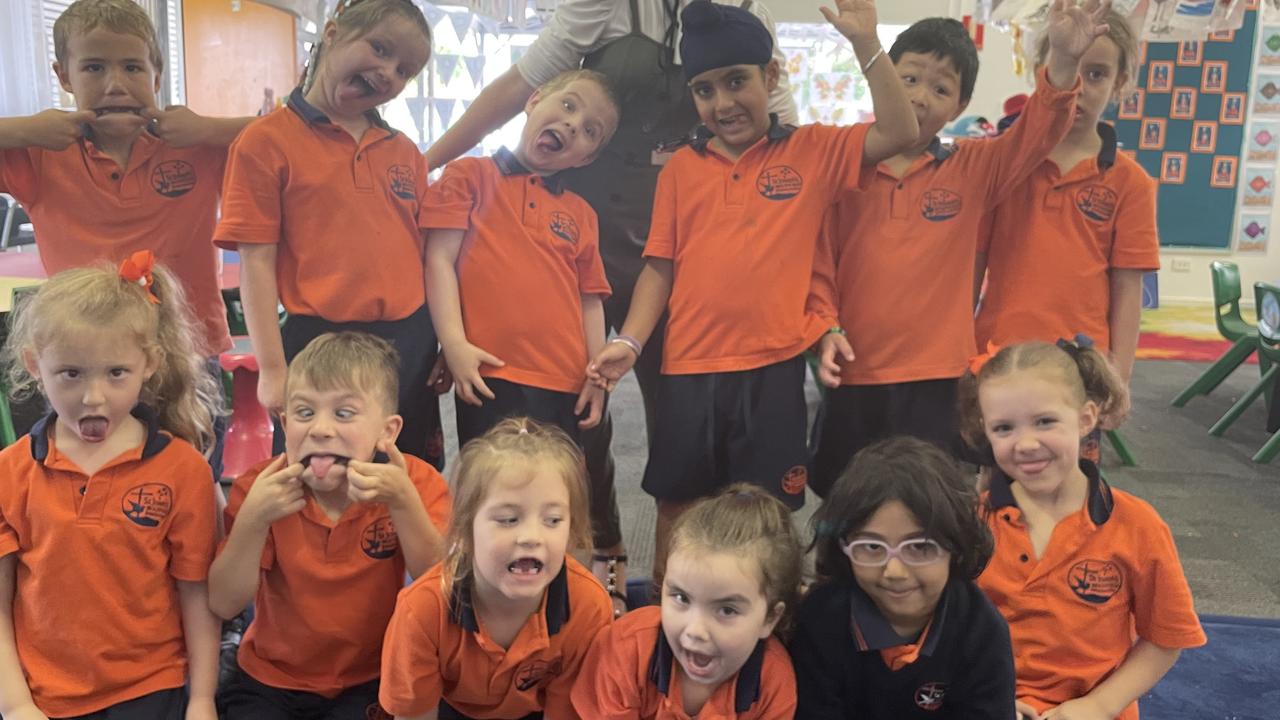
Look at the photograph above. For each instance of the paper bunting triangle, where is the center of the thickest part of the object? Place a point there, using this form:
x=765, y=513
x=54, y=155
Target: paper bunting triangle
x=461, y=23
x=446, y=66
x=444, y=110
x=475, y=68
x=433, y=13
x=418, y=111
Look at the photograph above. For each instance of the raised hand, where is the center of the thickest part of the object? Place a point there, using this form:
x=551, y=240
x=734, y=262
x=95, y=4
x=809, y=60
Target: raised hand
x=387, y=483
x=1073, y=26
x=855, y=19
x=275, y=494
x=178, y=126
x=56, y=129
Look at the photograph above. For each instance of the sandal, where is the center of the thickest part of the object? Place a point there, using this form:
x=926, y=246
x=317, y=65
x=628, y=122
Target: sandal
x=611, y=563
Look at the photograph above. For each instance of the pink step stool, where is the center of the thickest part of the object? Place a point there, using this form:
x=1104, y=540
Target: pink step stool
x=249, y=431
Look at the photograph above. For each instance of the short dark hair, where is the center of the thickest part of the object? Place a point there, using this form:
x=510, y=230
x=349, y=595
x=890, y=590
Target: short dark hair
x=924, y=479
x=945, y=38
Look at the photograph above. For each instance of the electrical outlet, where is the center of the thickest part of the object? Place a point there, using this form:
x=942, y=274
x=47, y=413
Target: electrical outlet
x=1181, y=265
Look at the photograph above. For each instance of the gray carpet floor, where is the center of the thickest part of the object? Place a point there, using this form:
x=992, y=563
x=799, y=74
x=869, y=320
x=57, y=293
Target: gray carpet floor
x=1222, y=508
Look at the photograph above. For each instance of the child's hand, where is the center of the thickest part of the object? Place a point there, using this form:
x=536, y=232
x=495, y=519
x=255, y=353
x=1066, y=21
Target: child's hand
x=271, y=390
x=178, y=126
x=855, y=19
x=440, y=380
x=1084, y=708
x=275, y=494
x=1026, y=712
x=387, y=483
x=590, y=398
x=610, y=364
x=464, y=362
x=203, y=709
x=56, y=129
x=1073, y=27
x=26, y=712
x=833, y=349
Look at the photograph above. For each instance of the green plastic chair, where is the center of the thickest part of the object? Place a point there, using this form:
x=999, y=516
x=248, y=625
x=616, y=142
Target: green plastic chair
x=1268, y=299
x=235, y=311
x=1226, y=313
x=1267, y=367
x=1123, y=453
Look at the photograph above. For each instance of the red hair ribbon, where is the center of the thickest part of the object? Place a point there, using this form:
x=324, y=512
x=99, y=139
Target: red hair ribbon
x=136, y=269
x=977, y=361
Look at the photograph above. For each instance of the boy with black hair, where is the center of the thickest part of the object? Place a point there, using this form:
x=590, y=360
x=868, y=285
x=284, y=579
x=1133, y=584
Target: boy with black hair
x=907, y=245
x=730, y=256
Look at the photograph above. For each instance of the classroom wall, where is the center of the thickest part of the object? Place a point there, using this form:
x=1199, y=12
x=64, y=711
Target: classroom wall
x=231, y=55
x=1184, y=274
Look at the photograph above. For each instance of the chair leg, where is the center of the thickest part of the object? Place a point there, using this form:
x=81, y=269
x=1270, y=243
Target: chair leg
x=1218, y=371
x=7, y=434
x=1269, y=451
x=1236, y=410
x=1121, y=448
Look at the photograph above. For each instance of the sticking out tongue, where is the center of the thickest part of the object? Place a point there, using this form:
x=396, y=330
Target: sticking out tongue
x=320, y=465
x=93, y=429
x=550, y=141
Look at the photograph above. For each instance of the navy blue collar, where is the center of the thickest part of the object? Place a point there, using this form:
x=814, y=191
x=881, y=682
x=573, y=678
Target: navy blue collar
x=777, y=131
x=1107, y=155
x=312, y=115
x=939, y=151
x=509, y=164
x=876, y=632
x=155, y=442
x=746, y=691
x=462, y=611
x=1099, y=502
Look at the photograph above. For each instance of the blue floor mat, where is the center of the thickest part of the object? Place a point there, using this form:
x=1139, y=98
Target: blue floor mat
x=1235, y=676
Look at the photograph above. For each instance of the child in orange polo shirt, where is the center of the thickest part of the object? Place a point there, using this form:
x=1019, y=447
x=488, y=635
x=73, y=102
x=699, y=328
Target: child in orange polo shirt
x=1083, y=226
x=320, y=539
x=500, y=629
x=107, y=519
x=324, y=201
x=514, y=278
x=909, y=241
x=730, y=256
x=728, y=583
x=896, y=628
x=1079, y=567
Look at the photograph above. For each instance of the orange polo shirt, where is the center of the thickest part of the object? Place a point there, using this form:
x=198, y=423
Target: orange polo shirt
x=436, y=648
x=1058, y=236
x=344, y=213
x=85, y=209
x=632, y=672
x=742, y=236
x=1110, y=570
x=96, y=614
x=904, y=249
x=530, y=253
x=327, y=589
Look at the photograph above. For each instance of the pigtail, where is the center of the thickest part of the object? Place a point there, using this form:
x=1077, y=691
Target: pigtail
x=183, y=392
x=1101, y=383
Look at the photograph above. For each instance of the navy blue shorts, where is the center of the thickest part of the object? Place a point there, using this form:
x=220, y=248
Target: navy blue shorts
x=244, y=698
x=161, y=705
x=512, y=400
x=716, y=429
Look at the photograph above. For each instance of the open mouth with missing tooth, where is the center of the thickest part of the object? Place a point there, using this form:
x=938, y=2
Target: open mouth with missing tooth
x=320, y=463
x=525, y=566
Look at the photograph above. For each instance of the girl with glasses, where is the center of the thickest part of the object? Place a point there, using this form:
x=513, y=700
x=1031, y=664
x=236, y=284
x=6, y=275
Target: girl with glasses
x=896, y=627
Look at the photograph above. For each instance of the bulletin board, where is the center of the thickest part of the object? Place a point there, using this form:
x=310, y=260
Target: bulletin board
x=1185, y=123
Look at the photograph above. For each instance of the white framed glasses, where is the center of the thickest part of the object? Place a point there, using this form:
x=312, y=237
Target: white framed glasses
x=876, y=553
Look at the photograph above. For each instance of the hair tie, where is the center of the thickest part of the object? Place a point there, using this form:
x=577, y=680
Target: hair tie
x=978, y=361
x=524, y=431
x=1074, y=346
x=137, y=269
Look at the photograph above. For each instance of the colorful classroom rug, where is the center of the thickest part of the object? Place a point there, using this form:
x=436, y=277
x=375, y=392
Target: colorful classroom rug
x=1235, y=676
x=1182, y=332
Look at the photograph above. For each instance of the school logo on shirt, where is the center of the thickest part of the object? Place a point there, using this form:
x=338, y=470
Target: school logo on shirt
x=174, y=178
x=779, y=182
x=1095, y=581
x=794, y=480
x=929, y=696
x=563, y=227
x=537, y=672
x=939, y=204
x=375, y=712
x=379, y=540
x=1097, y=202
x=402, y=182
x=148, y=504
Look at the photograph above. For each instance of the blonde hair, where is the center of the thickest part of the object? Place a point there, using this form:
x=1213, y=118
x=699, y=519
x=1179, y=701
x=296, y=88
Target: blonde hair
x=568, y=77
x=353, y=18
x=182, y=391
x=746, y=522
x=348, y=360
x=119, y=16
x=1083, y=372
x=1120, y=32
x=513, y=444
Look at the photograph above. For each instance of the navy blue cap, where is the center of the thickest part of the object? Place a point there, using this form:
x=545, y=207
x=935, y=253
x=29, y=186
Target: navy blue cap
x=717, y=36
